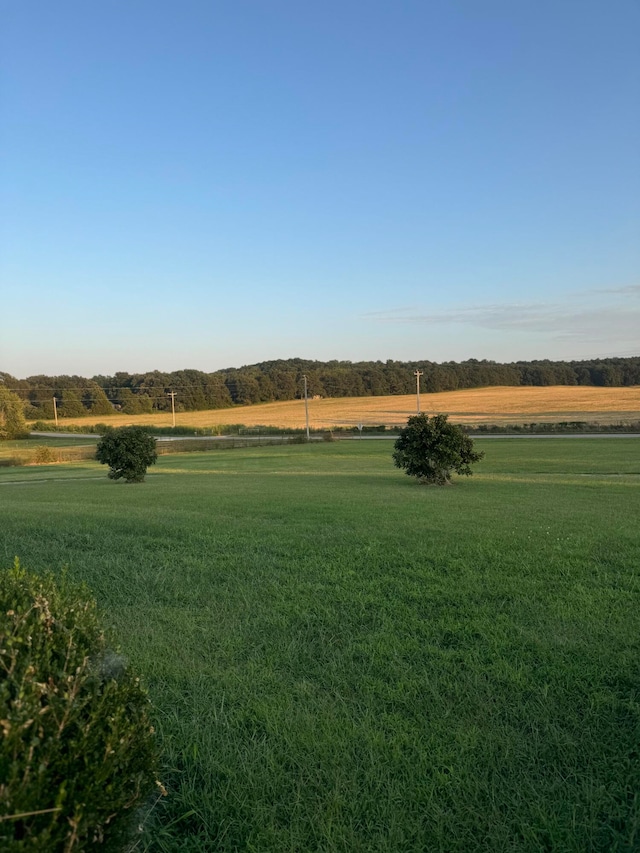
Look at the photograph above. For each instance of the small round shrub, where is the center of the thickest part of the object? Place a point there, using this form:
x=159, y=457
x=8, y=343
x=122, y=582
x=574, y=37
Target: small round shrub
x=76, y=744
x=432, y=448
x=128, y=451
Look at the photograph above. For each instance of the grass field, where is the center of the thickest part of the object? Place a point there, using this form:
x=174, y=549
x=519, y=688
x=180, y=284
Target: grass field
x=506, y=405
x=342, y=660
x=60, y=449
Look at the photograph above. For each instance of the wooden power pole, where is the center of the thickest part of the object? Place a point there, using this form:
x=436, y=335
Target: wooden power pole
x=306, y=405
x=172, y=394
x=418, y=374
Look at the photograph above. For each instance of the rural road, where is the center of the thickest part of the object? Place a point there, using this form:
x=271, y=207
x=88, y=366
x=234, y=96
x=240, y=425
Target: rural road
x=343, y=437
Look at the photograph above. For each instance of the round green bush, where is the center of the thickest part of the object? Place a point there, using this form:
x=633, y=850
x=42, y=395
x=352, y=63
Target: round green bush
x=77, y=748
x=430, y=448
x=128, y=451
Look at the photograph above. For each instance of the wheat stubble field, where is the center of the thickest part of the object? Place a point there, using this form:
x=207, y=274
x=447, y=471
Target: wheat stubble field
x=498, y=405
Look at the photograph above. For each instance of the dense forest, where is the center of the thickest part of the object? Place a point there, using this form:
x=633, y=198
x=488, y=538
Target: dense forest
x=136, y=393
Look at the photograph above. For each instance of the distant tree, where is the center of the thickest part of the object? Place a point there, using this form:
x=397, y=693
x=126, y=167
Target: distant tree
x=432, y=448
x=267, y=388
x=244, y=388
x=12, y=422
x=607, y=375
x=46, y=410
x=71, y=406
x=155, y=385
x=145, y=403
x=374, y=380
x=314, y=384
x=399, y=378
x=583, y=376
x=97, y=402
x=129, y=402
x=33, y=413
x=128, y=451
x=284, y=381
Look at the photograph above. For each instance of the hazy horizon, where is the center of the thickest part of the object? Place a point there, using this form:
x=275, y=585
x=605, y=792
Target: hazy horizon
x=295, y=358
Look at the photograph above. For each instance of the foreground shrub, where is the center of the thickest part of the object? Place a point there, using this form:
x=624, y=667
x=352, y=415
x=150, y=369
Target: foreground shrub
x=128, y=451
x=76, y=744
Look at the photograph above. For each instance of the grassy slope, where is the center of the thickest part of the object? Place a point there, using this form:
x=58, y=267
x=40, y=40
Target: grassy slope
x=478, y=405
x=343, y=660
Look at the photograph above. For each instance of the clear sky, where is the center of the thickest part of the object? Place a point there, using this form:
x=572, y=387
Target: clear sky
x=210, y=183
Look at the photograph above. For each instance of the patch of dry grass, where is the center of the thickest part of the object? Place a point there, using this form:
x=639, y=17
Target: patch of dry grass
x=498, y=405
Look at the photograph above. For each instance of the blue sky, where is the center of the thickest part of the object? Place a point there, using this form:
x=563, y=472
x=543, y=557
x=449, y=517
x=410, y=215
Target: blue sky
x=204, y=184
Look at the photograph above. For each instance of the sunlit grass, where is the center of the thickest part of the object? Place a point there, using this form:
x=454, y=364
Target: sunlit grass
x=25, y=446
x=341, y=659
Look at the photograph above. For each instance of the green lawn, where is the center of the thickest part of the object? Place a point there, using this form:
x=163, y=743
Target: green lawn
x=7, y=448
x=343, y=660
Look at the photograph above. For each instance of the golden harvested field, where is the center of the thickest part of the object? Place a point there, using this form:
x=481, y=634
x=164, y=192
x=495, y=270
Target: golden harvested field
x=500, y=405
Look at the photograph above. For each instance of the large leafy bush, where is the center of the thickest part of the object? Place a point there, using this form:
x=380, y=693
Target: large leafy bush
x=76, y=743
x=128, y=451
x=432, y=448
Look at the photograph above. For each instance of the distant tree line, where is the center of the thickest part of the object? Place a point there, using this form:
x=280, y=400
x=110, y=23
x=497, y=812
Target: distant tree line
x=139, y=393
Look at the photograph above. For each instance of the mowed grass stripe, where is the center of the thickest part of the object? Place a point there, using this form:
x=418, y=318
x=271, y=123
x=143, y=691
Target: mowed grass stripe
x=341, y=659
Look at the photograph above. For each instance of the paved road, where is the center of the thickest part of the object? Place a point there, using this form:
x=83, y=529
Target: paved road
x=174, y=437
x=62, y=435
x=159, y=437
x=480, y=436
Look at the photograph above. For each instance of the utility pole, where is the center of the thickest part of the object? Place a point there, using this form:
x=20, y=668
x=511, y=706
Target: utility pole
x=418, y=374
x=306, y=404
x=55, y=411
x=172, y=394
